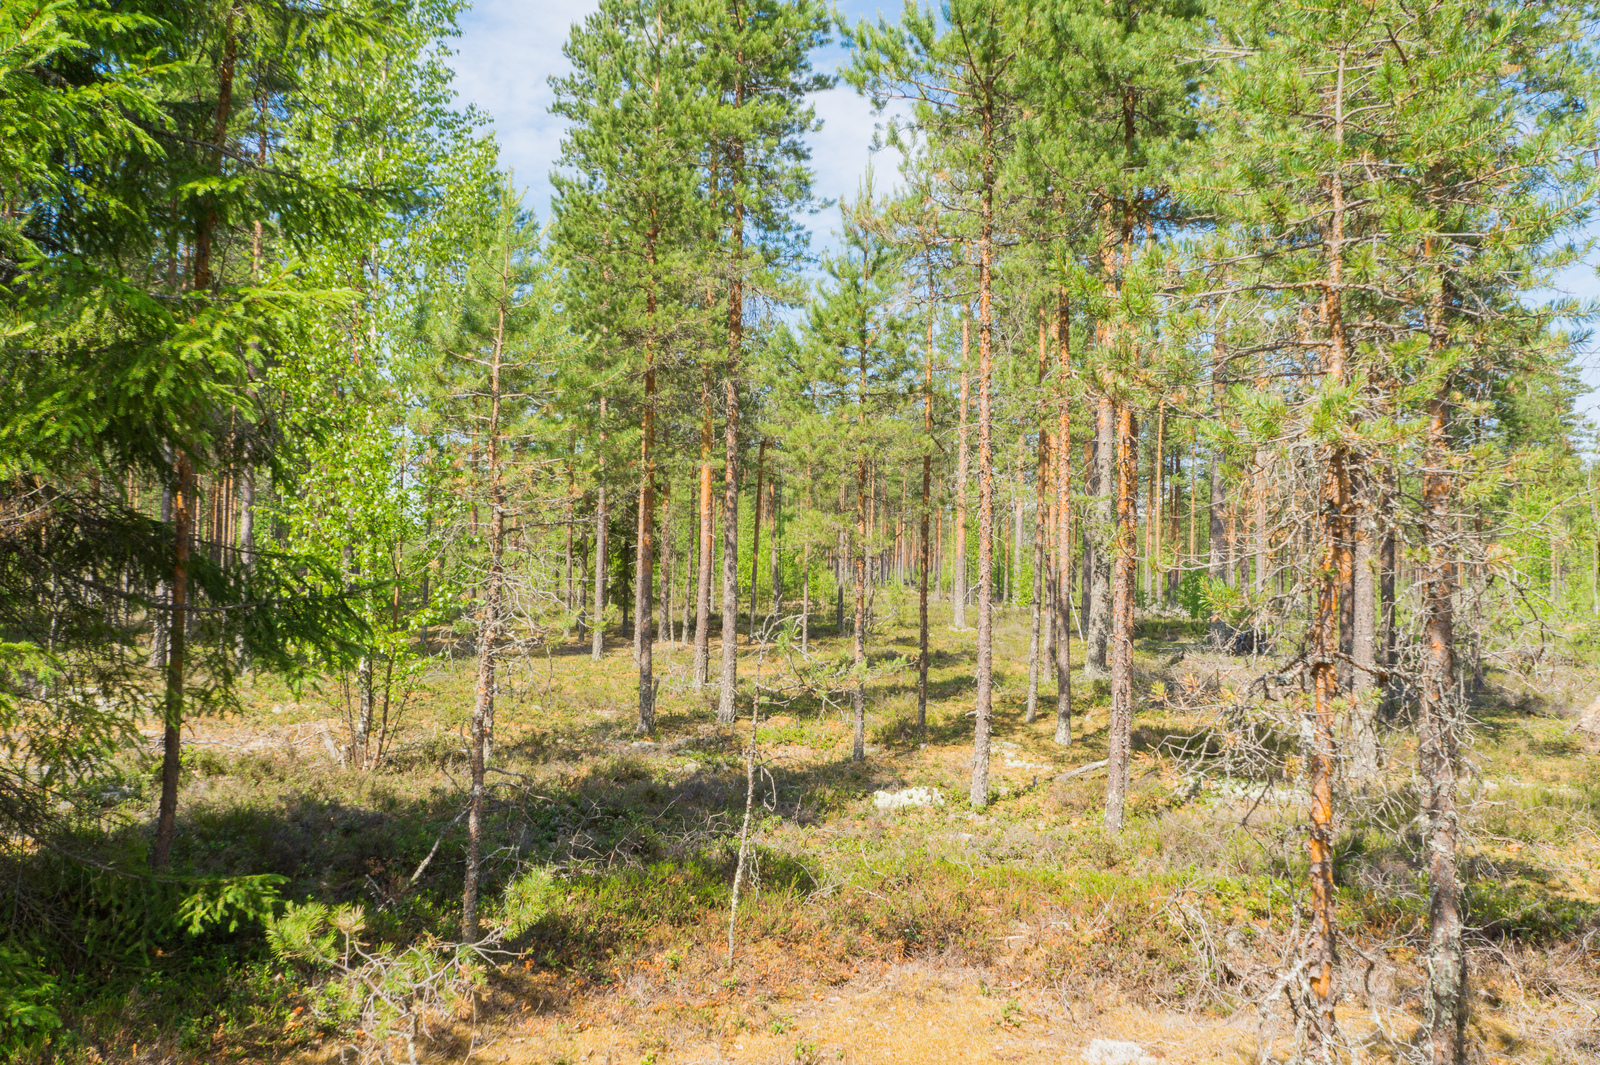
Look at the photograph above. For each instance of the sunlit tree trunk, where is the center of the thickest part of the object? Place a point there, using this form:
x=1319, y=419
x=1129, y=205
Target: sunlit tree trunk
x=1061, y=623
x=1119, y=738
x=482, y=735
x=959, y=577
x=602, y=520
x=726, y=707
x=979, y=796
x=702, y=607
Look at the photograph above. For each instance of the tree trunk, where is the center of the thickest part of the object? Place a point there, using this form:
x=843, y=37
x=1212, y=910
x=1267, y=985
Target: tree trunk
x=1104, y=536
x=1263, y=565
x=774, y=548
x=805, y=599
x=1041, y=560
x=1012, y=591
x=702, y=608
x=726, y=707
x=666, y=550
x=177, y=625
x=926, y=544
x=1120, y=729
x=1041, y=526
x=959, y=584
x=601, y=522
x=566, y=558
x=858, y=694
x=644, y=612
x=1438, y=738
x=183, y=504
x=1386, y=589
x=1333, y=580
x=1216, y=532
x=1438, y=727
x=1061, y=624
x=160, y=625
x=1364, y=660
x=979, y=795
x=755, y=533
x=489, y=629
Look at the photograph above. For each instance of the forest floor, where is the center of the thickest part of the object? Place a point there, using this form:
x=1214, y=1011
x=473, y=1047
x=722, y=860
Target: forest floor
x=1023, y=932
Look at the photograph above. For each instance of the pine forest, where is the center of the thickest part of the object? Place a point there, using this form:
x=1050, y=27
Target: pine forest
x=1121, y=585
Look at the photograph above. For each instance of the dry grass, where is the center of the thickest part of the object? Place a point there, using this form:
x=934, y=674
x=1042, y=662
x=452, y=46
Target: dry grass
x=1013, y=934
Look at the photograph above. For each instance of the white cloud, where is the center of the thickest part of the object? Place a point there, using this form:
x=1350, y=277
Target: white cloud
x=509, y=49
x=505, y=56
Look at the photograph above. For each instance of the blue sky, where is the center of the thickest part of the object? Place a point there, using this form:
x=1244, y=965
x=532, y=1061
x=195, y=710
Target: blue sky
x=508, y=49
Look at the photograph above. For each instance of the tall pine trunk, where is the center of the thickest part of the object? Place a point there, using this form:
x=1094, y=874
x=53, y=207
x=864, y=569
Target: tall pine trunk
x=1124, y=552
x=602, y=521
x=726, y=708
x=644, y=611
x=1061, y=624
x=926, y=543
x=702, y=604
x=755, y=532
x=488, y=629
x=858, y=565
x=1103, y=534
x=1438, y=730
x=979, y=794
x=1333, y=578
x=959, y=577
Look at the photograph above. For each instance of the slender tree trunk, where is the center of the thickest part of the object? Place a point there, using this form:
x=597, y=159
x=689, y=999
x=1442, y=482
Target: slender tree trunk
x=841, y=565
x=1438, y=728
x=1364, y=659
x=183, y=502
x=1263, y=565
x=566, y=560
x=488, y=633
x=1041, y=560
x=775, y=548
x=601, y=522
x=755, y=533
x=177, y=625
x=1104, y=535
x=1118, y=741
x=726, y=707
x=858, y=686
x=1334, y=578
x=160, y=625
x=1386, y=589
x=665, y=548
x=1061, y=625
x=1012, y=590
x=1437, y=753
x=363, y=689
x=638, y=571
x=979, y=796
x=644, y=612
x=247, y=543
x=959, y=585
x=926, y=543
x=1217, y=563
x=702, y=608
x=805, y=599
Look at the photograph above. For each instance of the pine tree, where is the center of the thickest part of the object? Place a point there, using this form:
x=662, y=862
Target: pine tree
x=955, y=72
x=858, y=369
x=628, y=215
x=758, y=54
